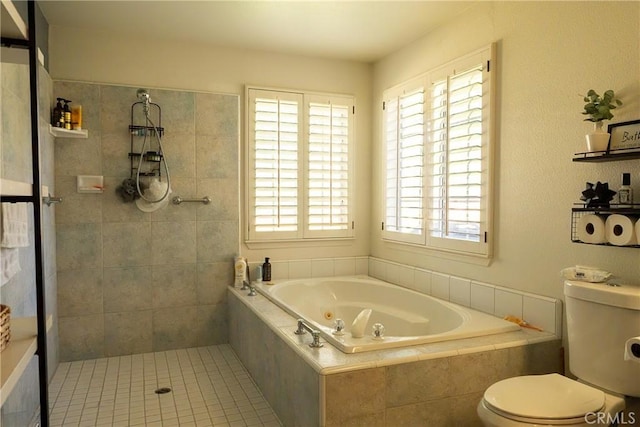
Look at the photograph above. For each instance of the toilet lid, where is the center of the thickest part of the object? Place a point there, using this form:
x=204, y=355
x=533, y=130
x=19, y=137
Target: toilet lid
x=549, y=396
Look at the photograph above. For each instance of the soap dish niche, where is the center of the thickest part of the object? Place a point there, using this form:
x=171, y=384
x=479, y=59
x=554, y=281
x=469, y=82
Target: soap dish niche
x=90, y=184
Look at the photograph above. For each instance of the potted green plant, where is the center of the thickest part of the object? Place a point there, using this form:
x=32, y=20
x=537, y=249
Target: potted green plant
x=598, y=108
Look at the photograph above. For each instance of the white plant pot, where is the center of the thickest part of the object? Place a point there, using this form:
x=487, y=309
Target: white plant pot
x=598, y=140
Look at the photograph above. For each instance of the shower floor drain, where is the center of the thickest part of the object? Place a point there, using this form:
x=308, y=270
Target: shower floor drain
x=163, y=390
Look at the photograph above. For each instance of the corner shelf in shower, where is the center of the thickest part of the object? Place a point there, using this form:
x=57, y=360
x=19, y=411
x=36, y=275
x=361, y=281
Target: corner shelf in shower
x=66, y=133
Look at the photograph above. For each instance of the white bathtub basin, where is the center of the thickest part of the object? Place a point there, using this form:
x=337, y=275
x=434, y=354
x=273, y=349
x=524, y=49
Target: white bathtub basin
x=409, y=317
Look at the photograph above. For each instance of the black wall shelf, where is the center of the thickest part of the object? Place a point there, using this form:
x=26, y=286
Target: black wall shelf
x=579, y=212
x=632, y=210
x=607, y=156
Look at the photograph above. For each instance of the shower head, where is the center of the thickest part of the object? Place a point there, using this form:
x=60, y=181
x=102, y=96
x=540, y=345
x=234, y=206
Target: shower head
x=143, y=96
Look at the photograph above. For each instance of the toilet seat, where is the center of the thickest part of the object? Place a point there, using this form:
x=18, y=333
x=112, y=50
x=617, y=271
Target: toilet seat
x=551, y=398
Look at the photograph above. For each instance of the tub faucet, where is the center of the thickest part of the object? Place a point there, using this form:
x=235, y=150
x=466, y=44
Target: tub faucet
x=360, y=323
x=246, y=283
x=252, y=291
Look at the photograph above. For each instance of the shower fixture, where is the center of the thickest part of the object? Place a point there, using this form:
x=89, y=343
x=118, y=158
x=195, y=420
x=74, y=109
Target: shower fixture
x=145, y=98
x=156, y=191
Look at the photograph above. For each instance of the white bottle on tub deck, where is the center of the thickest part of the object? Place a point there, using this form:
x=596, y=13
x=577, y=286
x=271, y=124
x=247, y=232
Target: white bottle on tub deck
x=240, y=266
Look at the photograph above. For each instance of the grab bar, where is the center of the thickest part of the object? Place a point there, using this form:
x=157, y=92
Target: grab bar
x=49, y=200
x=303, y=328
x=204, y=200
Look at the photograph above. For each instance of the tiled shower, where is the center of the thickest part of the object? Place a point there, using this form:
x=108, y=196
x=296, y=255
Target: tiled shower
x=133, y=282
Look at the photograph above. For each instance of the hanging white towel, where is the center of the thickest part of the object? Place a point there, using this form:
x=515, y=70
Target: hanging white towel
x=9, y=264
x=15, y=225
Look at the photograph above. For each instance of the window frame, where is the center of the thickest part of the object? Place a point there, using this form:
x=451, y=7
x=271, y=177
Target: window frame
x=483, y=247
x=302, y=233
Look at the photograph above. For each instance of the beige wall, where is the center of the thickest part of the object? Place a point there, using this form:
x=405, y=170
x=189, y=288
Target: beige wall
x=548, y=54
x=107, y=58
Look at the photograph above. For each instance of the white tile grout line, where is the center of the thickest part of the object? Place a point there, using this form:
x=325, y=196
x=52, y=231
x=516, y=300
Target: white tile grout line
x=209, y=386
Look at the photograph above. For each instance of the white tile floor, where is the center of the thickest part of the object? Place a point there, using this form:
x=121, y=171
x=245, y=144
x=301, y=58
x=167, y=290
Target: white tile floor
x=209, y=387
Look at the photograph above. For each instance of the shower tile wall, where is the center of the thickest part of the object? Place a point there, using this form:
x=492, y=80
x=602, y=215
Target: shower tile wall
x=133, y=282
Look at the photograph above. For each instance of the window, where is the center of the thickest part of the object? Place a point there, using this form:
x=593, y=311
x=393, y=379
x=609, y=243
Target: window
x=299, y=171
x=437, y=135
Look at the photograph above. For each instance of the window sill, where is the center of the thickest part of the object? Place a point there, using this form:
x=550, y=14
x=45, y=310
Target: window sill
x=468, y=258
x=299, y=243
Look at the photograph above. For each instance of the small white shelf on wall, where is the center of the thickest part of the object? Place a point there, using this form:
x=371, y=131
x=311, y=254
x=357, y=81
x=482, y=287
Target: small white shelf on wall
x=66, y=133
x=15, y=358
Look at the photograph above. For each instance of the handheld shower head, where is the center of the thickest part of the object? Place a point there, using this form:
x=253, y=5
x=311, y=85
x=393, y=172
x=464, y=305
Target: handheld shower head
x=144, y=97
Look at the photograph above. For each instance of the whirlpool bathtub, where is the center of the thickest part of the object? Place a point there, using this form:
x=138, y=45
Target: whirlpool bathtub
x=408, y=317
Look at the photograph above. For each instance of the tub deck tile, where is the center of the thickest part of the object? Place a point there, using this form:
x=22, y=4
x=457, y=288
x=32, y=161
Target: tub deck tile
x=400, y=355
x=428, y=355
x=327, y=359
x=510, y=344
x=469, y=350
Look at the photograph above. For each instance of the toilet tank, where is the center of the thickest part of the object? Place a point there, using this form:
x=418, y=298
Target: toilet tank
x=600, y=319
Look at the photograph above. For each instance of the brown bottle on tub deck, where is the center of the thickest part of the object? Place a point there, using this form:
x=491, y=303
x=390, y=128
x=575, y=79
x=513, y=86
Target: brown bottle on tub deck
x=266, y=271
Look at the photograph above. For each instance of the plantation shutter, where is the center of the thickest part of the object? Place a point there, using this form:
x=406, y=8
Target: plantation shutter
x=275, y=130
x=328, y=166
x=450, y=127
x=404, y=163
x=458, y=158
x=299, y=178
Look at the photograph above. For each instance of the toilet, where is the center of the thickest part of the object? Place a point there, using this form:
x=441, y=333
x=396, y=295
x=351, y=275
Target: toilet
x=600, y=320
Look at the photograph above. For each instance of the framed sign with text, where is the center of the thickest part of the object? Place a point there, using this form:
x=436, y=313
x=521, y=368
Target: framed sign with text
x=624, y=136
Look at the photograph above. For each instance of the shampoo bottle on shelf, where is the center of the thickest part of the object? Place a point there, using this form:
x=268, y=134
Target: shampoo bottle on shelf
x=67, y=114
x=266, y=270
x=76, y=117
x=625, y=193
x=56, y=114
